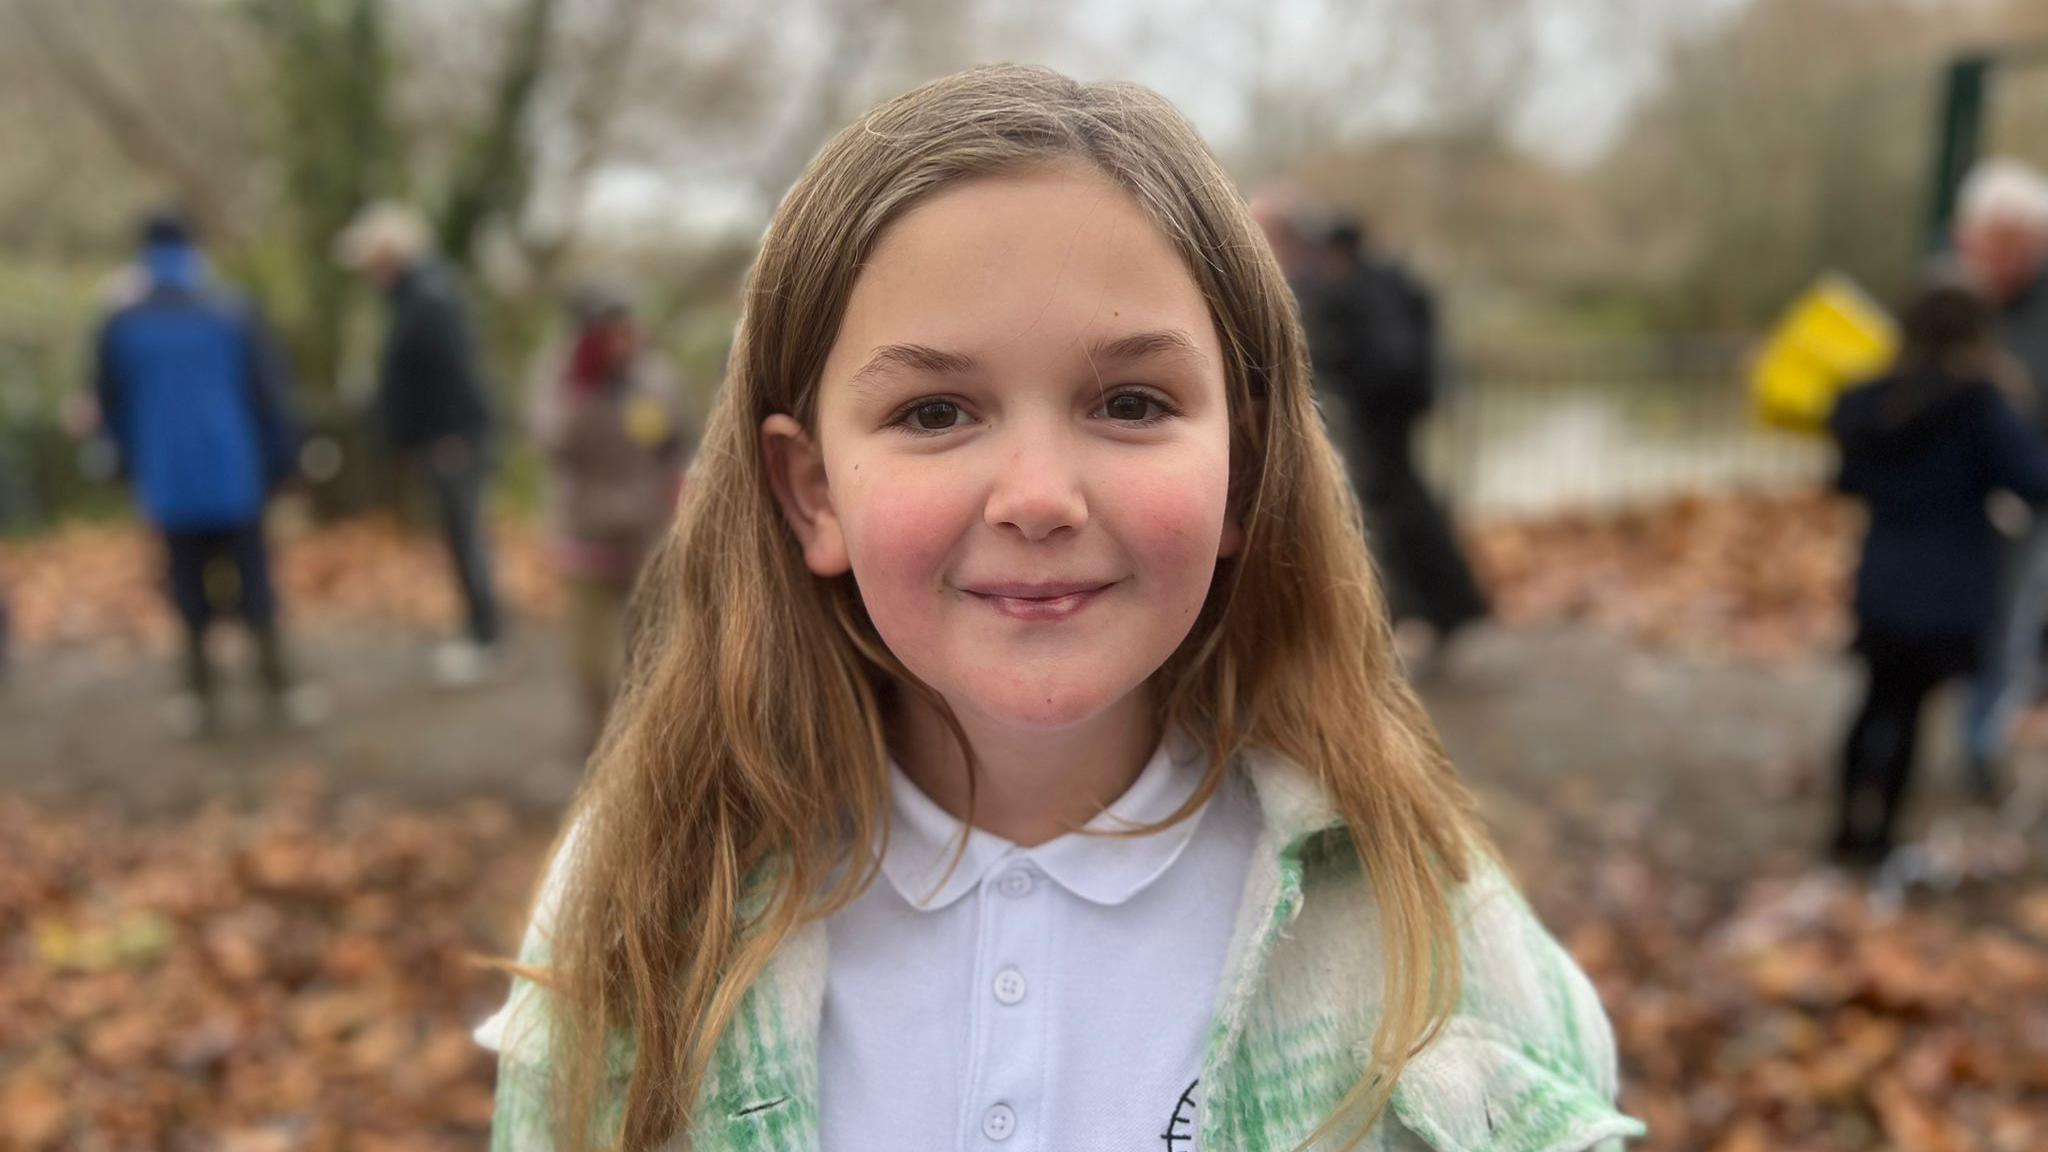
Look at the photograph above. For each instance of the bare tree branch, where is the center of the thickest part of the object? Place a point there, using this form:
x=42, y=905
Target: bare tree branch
x=857, y=28
x=592, y=122
x=122, y=114
x=497, y=176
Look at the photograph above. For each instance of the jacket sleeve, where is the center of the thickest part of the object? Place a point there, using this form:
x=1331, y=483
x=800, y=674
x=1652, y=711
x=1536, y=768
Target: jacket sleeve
x=429, y=368
x=1428, y=334
x=445, y=351
x=522, y=1116
x=517, y=1032
x=387, y=405
x=1852, y=476
x=1528, y=1062
x=2017, y=459
x=443, y=344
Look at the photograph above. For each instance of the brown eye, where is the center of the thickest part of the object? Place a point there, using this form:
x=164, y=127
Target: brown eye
x=1128, y=407
x=935, y=415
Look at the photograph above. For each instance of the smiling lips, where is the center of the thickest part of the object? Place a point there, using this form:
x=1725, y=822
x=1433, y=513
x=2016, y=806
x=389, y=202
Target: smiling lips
x=1039, y=602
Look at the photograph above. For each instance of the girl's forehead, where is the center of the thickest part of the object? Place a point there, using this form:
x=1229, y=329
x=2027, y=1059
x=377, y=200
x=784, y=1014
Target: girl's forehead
x=1023, y=263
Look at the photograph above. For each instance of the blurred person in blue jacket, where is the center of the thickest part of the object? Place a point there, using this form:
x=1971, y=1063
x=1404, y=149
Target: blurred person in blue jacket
x=1923, y=447
x=192, y=395
x=434, y=408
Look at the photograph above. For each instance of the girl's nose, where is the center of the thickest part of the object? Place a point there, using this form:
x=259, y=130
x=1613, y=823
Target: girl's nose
x=1038, y=490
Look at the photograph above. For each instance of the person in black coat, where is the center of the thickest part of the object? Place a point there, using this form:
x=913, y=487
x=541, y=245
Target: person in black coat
x=1922, y=447
x=433, y=405
x=1372, y=331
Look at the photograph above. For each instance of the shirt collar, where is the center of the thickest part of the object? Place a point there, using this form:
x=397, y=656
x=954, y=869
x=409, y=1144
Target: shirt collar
x=923, y=840
x=1108, y=870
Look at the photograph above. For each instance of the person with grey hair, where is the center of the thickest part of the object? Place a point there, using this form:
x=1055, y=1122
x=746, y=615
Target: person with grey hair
x=2001, y=242
x=433, y=406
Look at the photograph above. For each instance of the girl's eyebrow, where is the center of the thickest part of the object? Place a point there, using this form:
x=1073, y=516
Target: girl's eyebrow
x=919, y=358
x=927, y=360
x=1138, y=345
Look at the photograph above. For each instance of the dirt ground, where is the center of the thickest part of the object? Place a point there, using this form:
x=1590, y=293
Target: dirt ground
x=77, y=729
x=1728, y=756
x=1724, y=765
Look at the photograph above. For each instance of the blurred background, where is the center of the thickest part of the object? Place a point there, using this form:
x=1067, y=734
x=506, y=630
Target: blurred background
x=243, y=878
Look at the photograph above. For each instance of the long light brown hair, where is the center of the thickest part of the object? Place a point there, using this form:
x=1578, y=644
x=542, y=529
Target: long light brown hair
x=742, y=779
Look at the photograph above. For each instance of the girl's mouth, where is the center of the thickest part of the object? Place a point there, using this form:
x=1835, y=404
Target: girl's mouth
x=1039, y=602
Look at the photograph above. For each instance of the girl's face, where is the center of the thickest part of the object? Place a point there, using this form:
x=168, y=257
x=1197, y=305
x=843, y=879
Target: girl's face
x=1022, y=448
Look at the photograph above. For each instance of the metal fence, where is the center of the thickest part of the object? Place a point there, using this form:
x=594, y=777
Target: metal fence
x=1532, y=429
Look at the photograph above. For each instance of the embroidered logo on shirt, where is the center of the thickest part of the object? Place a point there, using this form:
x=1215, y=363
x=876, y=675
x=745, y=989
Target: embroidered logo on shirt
x=1180, y=1130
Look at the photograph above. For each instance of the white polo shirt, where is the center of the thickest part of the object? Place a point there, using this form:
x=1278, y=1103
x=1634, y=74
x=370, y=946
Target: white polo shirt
x=1055, y=998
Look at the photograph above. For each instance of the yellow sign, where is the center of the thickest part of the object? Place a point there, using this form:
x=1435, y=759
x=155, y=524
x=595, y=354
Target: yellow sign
x=1832, y=338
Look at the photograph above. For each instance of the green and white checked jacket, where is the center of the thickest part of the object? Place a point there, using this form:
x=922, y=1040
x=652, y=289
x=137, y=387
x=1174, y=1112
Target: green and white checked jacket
x=1526, y=1064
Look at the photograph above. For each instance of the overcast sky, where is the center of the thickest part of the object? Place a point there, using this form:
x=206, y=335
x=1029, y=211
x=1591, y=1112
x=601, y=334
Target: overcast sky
x=1589, y=73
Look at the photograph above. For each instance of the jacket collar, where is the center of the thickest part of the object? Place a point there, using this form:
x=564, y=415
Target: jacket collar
x=1293, y=806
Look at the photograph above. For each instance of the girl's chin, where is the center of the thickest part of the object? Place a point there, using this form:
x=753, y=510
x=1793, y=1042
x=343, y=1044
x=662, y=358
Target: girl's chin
x=1024, y=711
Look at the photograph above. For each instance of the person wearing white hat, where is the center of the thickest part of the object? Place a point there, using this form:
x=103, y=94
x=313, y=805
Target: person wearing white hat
x=2001, y=241
x=433, y=406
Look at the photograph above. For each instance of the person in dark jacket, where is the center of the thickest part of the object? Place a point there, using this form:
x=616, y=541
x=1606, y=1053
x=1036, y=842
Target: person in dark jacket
x=1923, y=447
x=433, y=406
x=1372, y=332
x=192, y=395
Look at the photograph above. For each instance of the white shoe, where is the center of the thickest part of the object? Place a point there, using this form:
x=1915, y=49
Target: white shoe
x=464, y=663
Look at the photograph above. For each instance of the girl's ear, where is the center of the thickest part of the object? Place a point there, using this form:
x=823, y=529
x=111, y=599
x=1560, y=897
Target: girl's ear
x=796, y=471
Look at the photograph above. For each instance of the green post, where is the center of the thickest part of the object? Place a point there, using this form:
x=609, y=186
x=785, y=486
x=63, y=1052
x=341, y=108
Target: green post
x=1962, y=127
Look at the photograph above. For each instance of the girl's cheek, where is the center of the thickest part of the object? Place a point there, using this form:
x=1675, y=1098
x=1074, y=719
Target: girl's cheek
x=902, y=531
x=902, y=524
x=1175, y=515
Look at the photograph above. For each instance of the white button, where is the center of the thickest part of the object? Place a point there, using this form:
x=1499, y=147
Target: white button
x=1009, y=986
x=998, y=1122
x=1015, y=882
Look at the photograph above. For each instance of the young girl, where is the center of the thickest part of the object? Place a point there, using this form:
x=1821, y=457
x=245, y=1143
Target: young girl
x=1019, y=759
x=1923, y=447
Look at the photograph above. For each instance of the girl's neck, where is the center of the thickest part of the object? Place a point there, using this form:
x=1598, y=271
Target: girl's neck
x=1030, y=786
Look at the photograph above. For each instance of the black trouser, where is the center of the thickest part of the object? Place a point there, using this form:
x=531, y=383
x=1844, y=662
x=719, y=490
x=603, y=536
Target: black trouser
x=1877, y=761
x=225, y=569
x=459, y=472
x=1412, y=541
